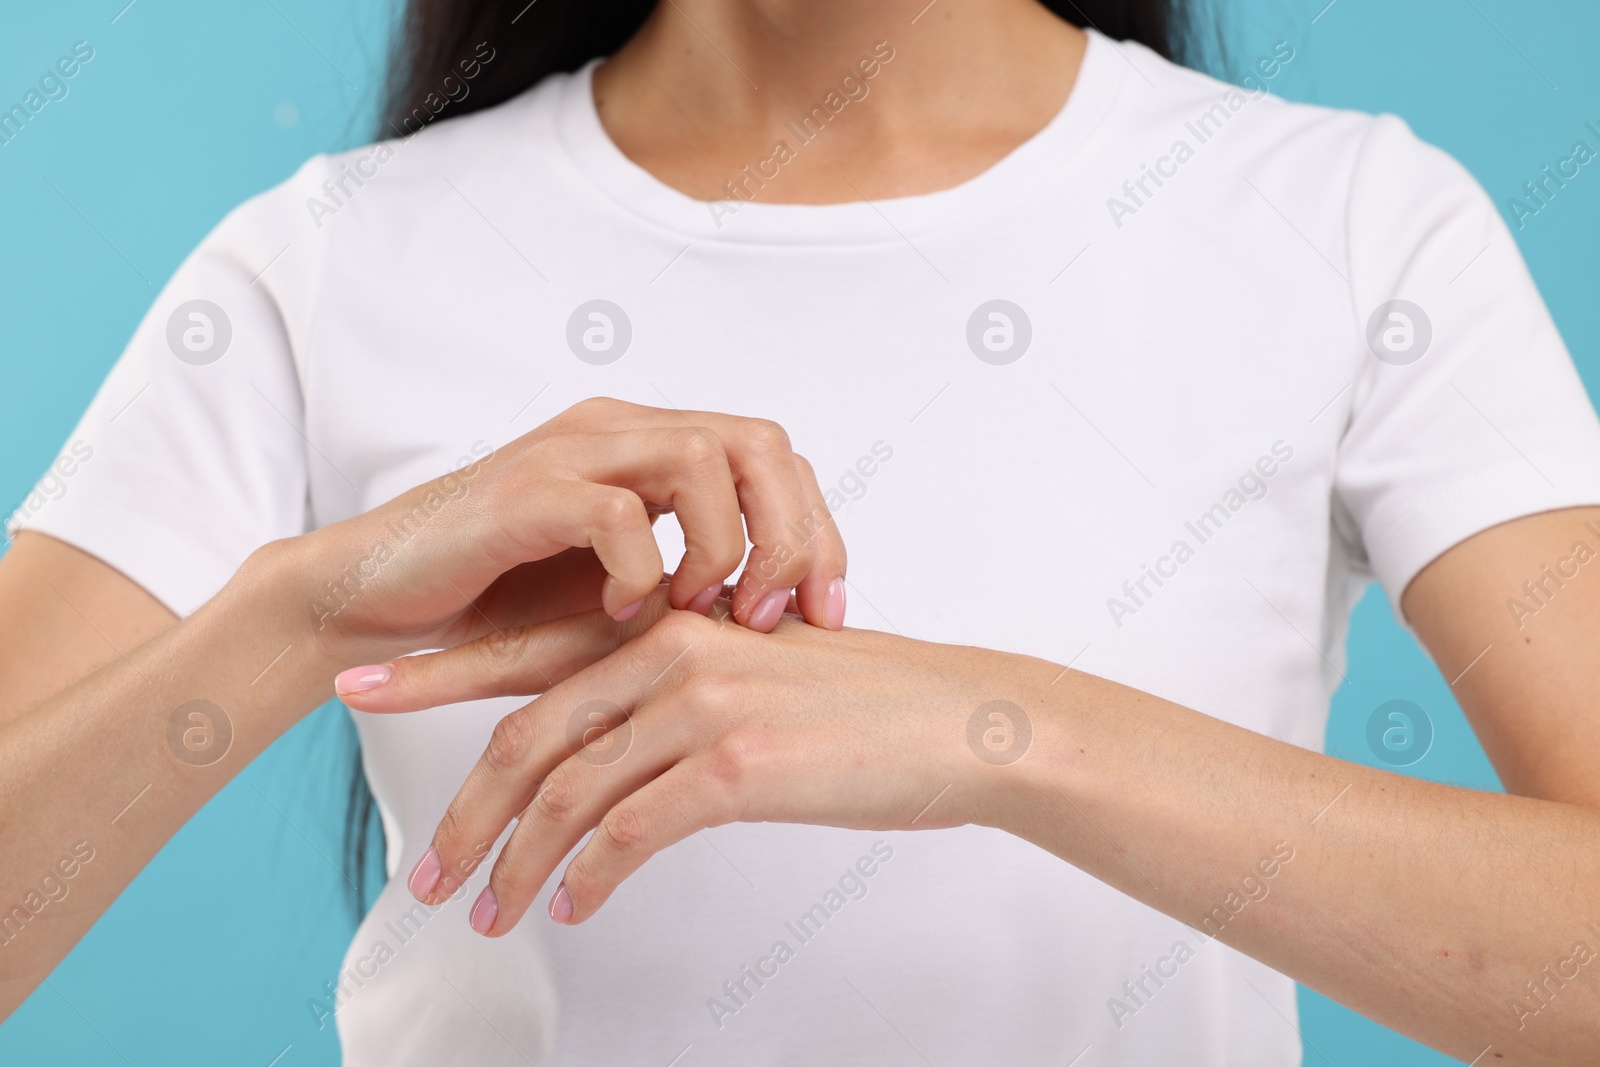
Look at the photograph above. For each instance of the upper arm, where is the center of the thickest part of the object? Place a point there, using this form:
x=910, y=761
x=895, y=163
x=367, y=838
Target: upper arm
x=63, y=614
x=1469, y=461
x=1510, y=615
x=191, y=456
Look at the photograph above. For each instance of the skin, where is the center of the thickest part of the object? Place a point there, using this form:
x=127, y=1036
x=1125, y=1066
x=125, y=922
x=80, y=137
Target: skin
x=968, y=83
x=1422, y=905
x=93, y=670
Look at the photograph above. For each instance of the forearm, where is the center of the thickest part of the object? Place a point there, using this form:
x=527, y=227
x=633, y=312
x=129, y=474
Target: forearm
x=1427, y=907
x=94, y=780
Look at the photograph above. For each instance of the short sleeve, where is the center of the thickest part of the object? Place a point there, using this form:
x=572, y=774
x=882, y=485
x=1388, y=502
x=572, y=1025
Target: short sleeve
x=191, y=455
x=1465, y=410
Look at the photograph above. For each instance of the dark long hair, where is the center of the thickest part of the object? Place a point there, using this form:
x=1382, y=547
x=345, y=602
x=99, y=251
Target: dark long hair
x=530, y=40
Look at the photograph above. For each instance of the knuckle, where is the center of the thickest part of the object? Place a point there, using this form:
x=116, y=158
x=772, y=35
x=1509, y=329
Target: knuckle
x=734, y=758
x=677, y=629
x=765, y=435
x=556, y=799
x=509, y=743
x=597, y=408
x=622, y=830
x=697, y=447
x=501, y=649
x=619, y=509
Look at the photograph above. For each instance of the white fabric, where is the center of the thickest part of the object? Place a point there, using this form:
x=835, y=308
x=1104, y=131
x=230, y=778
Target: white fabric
x=1179, y=352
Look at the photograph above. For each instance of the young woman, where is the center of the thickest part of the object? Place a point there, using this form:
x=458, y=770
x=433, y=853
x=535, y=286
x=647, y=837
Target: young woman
x=1119, y=382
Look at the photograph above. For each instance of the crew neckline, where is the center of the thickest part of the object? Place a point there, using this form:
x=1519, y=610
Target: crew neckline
x=637, y=191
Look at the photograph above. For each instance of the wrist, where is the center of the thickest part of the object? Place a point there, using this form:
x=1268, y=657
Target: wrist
x=1015, y=730
x=272, y=597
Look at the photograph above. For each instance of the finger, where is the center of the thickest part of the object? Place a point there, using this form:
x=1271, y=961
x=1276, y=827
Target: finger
x=687, y=468
x=513, y=661
x=820, y=594
x=569, y=802
x=692, y=795
x=521, y=751
x=780, y=521
x=529, y=742
x=611, y=520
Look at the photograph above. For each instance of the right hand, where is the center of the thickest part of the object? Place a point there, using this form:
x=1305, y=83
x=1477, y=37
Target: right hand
x=559, y=521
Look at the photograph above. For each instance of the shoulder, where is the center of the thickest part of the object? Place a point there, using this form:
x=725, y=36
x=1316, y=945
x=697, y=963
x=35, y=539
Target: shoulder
x=1356, y=186
x=1251, y=128
x=404, y=174
x=413, y=168
x=392, y=206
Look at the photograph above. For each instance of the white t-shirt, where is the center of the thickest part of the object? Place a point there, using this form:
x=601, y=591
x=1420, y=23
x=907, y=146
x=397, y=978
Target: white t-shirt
x=1171, y=457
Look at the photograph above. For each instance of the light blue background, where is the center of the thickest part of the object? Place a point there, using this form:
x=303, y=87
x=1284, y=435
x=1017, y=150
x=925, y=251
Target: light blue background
x=189, y=107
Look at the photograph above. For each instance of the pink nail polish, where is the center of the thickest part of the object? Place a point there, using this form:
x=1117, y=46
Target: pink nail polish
x=484, y=911
x=561, y=905
x=769, y=611
x=361, y=679
x=629, y=612
x=703, y=601
x=833, y=605
x=425, y=875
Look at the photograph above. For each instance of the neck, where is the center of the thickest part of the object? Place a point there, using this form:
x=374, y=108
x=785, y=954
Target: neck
x=870, y=99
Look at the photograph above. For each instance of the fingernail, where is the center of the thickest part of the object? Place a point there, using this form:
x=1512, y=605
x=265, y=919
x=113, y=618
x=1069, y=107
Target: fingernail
x=629, y=612
x=425, y=875
x=703, y=601
x=833, y=605
x=769, y=611
x=561, y=905
x=360, y=679
x=484, y=910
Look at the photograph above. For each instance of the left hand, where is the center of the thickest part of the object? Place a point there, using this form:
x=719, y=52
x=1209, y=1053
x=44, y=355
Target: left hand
x=672, y=722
